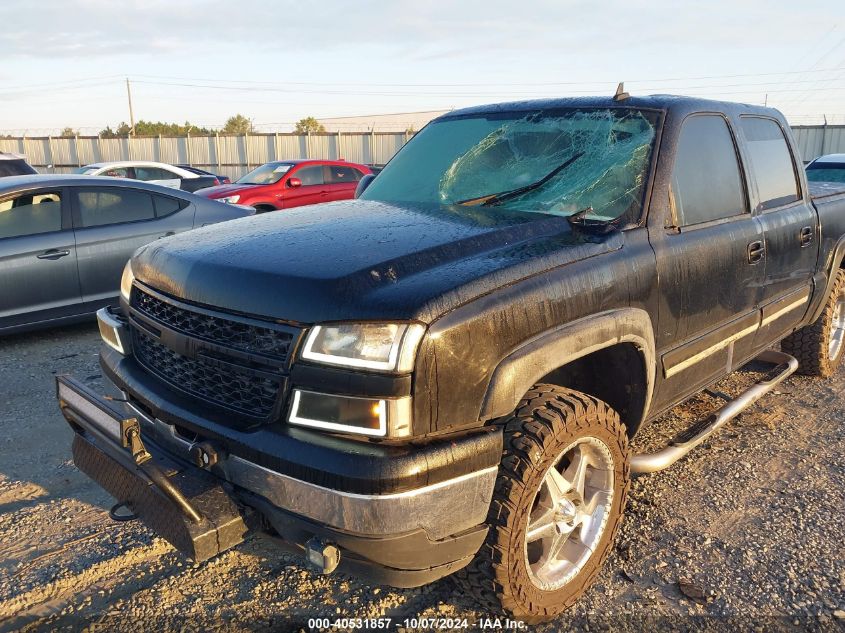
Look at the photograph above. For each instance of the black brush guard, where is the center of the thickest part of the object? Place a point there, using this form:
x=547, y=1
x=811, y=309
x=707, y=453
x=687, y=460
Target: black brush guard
x=183, y=504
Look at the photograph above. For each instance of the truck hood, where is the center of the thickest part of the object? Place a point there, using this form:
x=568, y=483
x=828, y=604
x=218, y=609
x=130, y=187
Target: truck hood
x=361, y=260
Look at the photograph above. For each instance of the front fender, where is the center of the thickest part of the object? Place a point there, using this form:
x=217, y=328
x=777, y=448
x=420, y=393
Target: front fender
x=538, y=357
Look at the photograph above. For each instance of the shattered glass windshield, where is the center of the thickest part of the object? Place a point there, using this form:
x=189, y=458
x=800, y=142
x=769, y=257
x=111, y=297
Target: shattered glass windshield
x=552, y=161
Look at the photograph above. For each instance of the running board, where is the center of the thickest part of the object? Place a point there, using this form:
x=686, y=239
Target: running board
x=784, y=366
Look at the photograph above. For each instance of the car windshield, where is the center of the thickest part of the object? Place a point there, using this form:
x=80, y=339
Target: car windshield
x=266, y=174
x=552, y=161
x=826, y=172
x=85, y=170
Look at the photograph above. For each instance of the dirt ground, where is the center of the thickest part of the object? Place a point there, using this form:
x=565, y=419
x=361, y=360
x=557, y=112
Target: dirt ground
x=746, y=533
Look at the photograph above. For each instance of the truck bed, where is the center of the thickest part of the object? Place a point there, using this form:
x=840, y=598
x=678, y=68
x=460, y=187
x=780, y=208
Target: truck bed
x=825, y=189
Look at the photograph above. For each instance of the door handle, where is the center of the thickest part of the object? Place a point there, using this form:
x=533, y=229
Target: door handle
x=168, y=234
x=53, y=254
x=805, y=236
x=756, y=252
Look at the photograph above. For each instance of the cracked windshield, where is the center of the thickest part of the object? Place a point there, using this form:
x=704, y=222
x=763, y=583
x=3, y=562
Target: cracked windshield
x=557, y=162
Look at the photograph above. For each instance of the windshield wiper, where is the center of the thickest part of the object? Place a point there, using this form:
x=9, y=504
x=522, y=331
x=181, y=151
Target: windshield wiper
x=579, y=220
x=495, y=198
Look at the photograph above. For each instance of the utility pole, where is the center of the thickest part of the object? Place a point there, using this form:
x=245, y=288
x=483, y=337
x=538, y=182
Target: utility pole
x=131, y=114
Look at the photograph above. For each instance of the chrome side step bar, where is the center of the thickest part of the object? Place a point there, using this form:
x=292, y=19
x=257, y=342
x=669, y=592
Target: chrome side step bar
x=684, y=442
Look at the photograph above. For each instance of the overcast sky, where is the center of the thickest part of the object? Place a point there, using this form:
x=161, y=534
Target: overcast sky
x=64, y=62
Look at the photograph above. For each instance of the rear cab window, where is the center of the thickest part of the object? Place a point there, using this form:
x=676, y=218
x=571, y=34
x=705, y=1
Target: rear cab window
x=30, y=214
x=707, y=184
x=772, y=162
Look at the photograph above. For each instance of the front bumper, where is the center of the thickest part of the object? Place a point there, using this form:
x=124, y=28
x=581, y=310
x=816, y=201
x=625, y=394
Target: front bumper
x=405, y=537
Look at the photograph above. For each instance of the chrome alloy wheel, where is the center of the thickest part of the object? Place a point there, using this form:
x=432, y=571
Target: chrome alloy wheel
x=837, y=329
x=569, y=513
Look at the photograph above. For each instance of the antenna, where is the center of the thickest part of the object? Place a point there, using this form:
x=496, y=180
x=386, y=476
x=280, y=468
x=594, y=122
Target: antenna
x=620, y=95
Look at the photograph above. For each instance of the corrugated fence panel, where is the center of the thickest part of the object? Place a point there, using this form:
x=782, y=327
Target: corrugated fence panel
x=292, y=146
x=172, y=150
x=63, y=151
x=201, y=151
x=232, y=151
x=351, y=148
x=386, y=145
x=235, y=155
x=261, y=148
x=88, y=149
x=13, y=145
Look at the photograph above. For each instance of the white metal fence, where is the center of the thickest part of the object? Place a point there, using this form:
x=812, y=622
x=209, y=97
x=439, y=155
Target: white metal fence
x=233, y=156
x=230, y=155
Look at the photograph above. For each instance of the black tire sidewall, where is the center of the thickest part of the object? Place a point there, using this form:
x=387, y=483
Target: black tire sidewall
x=528, y=597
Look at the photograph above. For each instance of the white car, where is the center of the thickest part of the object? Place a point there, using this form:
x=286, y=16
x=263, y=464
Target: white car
x=156, y=173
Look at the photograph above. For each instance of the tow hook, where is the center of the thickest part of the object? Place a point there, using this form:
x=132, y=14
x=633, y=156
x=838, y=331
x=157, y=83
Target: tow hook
x=322, y=557
x=205, y=454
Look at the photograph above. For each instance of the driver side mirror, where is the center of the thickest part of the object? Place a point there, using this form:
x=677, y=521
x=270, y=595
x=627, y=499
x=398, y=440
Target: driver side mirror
x=363, y=184
x=294, y=182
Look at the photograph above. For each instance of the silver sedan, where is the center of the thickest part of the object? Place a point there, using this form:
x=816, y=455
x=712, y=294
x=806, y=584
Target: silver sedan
x=65, y=239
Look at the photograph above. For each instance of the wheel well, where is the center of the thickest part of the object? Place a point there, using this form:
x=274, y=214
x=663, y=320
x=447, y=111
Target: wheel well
x=615, y=374
x=262, y=208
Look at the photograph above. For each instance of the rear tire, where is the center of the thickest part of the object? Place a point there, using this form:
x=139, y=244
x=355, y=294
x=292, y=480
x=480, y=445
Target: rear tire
x=535, y=574
x=819, y=346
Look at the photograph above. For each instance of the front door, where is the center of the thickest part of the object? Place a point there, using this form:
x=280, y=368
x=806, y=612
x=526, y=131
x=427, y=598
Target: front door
x=39, y=279
x=710, y=261
x=313, y=189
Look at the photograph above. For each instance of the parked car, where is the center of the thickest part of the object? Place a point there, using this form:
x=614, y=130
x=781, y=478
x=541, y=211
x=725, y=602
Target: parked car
x=444, y=374
x=14, y=165
x=291, y=183
x=830, y=168
x=221, y=180
x=155, y=173
x=65, y=239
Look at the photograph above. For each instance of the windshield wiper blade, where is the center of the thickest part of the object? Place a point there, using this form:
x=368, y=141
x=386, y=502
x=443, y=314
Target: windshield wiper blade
x=579, y=220
x=495, y=198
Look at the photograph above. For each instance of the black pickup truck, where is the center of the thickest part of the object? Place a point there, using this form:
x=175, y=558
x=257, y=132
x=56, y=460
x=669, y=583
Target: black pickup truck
x=443, y=374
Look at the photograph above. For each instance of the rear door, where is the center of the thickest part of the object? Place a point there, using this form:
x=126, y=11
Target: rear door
x=38, y=273
x=341, y=181
x=709, y=261
x=312, y=191
x=790, y=225
x=110, y=223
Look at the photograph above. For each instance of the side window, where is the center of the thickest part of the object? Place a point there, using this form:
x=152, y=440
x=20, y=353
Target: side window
x=706, y=182
x=30, y=214
x=341, y=174
x=120, y=172
x=165, y=205
x=772, y=162
x=154, y=173
x=311, y=175
x=113, y=206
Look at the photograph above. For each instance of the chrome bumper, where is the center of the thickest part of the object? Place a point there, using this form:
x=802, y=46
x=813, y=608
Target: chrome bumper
x=441, y=509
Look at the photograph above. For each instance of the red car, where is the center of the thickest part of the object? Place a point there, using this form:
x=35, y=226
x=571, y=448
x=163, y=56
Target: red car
x=291, y=183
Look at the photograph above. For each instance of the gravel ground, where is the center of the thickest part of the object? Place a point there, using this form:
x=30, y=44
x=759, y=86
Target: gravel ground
x=746, y=533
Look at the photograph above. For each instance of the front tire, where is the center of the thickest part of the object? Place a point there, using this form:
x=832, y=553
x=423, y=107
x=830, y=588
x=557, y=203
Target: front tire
x=819, y=346
x=557, y=505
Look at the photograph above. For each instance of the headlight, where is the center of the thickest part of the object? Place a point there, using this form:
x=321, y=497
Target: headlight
x=389, y=347
x=375, y=417
x=229, y=199
x=126, y=281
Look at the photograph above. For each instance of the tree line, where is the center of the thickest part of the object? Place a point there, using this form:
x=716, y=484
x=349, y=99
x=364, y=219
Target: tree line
x=237, y=124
